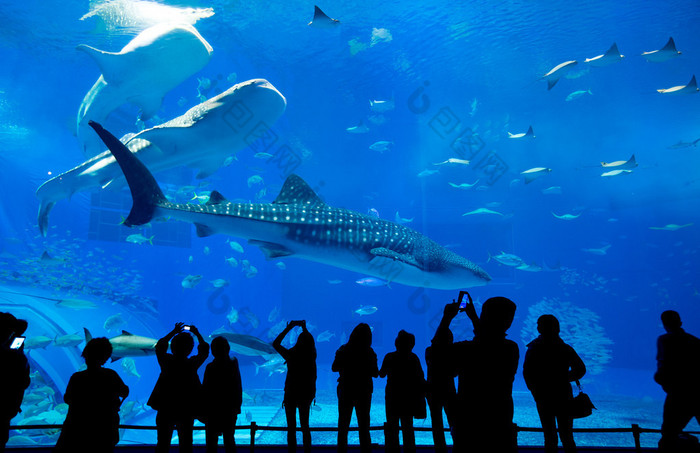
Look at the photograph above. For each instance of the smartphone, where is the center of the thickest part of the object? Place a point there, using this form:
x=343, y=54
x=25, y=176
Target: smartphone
x=462, y=302
x=17, y=343
x=187, y=328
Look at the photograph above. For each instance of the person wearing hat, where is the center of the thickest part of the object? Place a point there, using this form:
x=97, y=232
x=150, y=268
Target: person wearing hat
x=14, y=378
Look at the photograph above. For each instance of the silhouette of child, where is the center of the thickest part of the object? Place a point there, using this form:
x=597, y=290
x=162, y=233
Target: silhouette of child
x=177, y=393
x=300, y=385
x=14, y=377
x=441, y=391
x=93, y=397
x=405, y=392
x=223, y=396
x=356, y=362
x=549, y=368
x=678, y=371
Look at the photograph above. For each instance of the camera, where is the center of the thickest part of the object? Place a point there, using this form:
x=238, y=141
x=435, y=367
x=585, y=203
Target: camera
x=17, y=342
x=187, y=328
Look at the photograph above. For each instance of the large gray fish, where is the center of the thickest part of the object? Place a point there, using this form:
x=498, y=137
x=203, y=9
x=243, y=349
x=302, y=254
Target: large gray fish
x=128, y=345
x=299, y=224
x=202, y=138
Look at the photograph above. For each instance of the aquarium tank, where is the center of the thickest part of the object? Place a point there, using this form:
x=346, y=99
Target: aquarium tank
x=377, y=157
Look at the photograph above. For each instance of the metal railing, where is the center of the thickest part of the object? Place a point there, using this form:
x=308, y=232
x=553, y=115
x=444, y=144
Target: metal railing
x=635, y=429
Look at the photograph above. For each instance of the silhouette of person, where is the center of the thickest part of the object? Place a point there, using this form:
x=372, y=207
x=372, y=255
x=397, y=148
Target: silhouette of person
x=549, y=368
x=441, y=391
x=14, y=374
x=486, y=366
x=300, y=385
x=93, y=397
x=678, y=372
x=177, y=393
x=356, y=362
x=405, y=392
x=223, y=396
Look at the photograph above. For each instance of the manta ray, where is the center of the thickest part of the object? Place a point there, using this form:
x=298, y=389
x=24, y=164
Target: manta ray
x=298, y=223
x=553, y=76
x=664, y=54
x=322, y=20
x=611, y=56
x=201, y=138
x=153, y=63
x=690, y=88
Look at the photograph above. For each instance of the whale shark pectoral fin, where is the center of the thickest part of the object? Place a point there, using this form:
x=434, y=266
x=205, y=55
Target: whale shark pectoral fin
x=149, y=104
x=43, y=217
x=296, y=191
x=110, y=63
x=384, y=252
x=271, y=249
x=203, y=230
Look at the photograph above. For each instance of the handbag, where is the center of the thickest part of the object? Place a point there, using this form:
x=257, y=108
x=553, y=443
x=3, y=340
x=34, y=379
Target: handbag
x=581, y=406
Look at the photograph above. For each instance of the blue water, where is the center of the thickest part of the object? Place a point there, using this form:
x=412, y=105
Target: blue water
x=468, y=71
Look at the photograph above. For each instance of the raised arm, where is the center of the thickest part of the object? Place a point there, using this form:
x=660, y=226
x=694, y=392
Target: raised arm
x=202, y=347
x=448, y=314
x=277, y=343
x=162, y=345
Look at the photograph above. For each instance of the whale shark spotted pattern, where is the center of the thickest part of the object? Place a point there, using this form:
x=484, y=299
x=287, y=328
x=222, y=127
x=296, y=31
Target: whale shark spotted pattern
x=298, y=223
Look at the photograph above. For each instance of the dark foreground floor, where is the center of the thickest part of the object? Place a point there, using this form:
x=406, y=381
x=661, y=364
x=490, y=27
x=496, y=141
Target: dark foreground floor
x=326, y=449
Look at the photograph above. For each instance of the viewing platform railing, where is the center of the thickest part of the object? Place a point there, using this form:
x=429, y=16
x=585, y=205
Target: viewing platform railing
x=253, y=427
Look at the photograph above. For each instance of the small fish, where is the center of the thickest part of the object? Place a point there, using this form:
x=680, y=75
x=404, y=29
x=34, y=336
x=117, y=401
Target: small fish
x=426, y=173
x=206, y=250
x=255, y=180
x=252, y=319
x=529, y=267
x=219, y=283
x=326, y=335
x=231, y=78
x=191, y=281
x=202, y=198
x=365, y=310
x=37, y=342
x=401, y=220
x=534, y=173
x=280, y=265
x=251, y=272
x=599, y=251
x=474, y=106
x=453, y=161
x=359, y=129
x=236, y=247
x=114, y=322
x=615, y=173
x=464, y=186
x=566, y=216
x=577, y=94
x=274, y=365
x=529, y=134
x=482, y=211
x=667, y=52
x=381, y=146
x=507, y=259
x=263, y=156
x=554, y=190
x=129, y=366
x=274, y=315
x=139, y=239
x=190, y=259
x=681, y=144
x=381, y=106
x=671, y=227
x=372, y=282
x=233, y=262
x=204, y=83
x=232, y=316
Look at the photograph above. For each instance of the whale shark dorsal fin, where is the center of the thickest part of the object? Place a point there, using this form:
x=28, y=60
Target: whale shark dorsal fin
x=216, y=198
x=124, y=332
x=670, y=45
x=296, y=191
x=110, y=63
x=271, y=249
x=384, y=252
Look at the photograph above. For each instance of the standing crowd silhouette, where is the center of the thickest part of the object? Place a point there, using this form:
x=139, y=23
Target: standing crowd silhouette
x=479, y=410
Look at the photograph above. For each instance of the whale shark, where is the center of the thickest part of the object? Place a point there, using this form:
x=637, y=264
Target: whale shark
x=299, y=224
x=611, y=56
x=202, y=138
x=154, y=62
x=664, y=54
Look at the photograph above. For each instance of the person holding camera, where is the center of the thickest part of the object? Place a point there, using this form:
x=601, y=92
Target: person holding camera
x=177, y=393
x=486, y=366
x=300, y=385
x=14, y=378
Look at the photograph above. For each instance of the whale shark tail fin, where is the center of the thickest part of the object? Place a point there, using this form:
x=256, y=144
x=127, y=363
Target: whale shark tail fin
x=145, y=192
x=110, y=63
